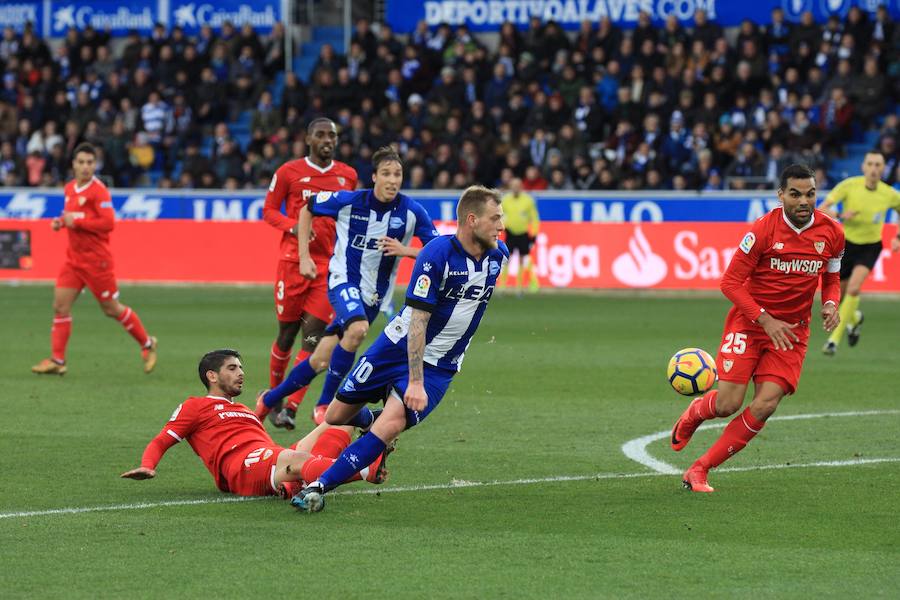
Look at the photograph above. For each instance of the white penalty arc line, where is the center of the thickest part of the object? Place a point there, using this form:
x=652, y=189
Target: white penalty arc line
x=453, y=485
x=636, y=449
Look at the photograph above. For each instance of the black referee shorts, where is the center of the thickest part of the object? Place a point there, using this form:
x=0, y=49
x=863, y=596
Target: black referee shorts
x=859, y=254
x=520, y=242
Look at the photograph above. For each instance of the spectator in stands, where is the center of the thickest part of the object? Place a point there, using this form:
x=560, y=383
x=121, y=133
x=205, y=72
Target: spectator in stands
x=868, y=91
x=654, y=100
x=835, y=119
x=745, y=166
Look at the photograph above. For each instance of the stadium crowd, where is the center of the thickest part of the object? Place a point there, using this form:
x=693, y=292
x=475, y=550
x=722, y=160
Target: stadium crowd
x=604, y=108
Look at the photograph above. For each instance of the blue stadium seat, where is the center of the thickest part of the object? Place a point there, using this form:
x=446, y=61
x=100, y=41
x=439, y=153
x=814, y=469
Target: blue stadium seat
x=871, y=137
x=858, y=148
x=842, y=168
x=303, y=66
x=153, y=177
x=243, y=139
x=277, y=88
x=309, y=51
x=333, y=35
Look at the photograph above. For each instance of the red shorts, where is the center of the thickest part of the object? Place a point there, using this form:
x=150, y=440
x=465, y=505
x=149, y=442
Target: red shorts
x=296, y=295
x=747, y=351
x=101, y=282
x=252, y=472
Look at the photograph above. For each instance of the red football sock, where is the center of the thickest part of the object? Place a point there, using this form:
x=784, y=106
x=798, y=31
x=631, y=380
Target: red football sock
x=315, y=466
x=737, y=434
x=294, y=400
x=277, y=363
x=705, y=409
x=59, y=337
x=331, y=443
x=132, y=324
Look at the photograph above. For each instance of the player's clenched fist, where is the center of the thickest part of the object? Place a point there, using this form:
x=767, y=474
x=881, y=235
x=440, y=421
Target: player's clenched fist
x=415, y=397
x=308, y=268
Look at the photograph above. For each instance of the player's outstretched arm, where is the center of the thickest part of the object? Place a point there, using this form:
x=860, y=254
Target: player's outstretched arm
x=304, y=228
x=153, y=453
x=415, y=397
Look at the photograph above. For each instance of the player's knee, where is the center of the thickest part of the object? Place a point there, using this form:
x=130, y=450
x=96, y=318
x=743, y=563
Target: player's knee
x=728, y=404
x=320, y=358
x=61, y=309
x=111, y=310
x=287, y=333
x=311, y=338
x=763, y=408
x=356, y=333
x=389, y=425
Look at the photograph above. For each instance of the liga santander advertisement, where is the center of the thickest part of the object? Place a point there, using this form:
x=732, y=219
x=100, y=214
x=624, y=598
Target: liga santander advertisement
x=663, y=256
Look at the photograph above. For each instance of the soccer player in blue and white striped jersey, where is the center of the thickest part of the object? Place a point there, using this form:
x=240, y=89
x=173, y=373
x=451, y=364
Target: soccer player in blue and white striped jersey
x=374, y=228
x=411, y=364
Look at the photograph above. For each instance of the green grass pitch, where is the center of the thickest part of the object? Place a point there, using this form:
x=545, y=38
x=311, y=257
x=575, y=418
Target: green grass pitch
x=552, y=387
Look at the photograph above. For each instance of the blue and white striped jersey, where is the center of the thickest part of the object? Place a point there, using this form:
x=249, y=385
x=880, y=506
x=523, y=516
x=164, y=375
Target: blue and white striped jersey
x=455, y=289
x=361, y=221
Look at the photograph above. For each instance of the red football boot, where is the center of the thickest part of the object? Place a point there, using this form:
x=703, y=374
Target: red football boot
x=694, y=479
x=261, y=409
x=318, y=415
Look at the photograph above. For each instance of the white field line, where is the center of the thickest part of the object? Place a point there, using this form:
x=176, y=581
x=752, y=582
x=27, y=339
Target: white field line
x=456, y=484
x=636, y=449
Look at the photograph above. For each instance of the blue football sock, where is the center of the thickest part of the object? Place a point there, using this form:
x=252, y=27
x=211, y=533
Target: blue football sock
x=355, y=457
x=363, y=419
x=341, y=361
x=299, y=376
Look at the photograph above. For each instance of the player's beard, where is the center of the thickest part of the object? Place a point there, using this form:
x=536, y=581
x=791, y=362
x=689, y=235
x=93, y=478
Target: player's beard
x=486, y=242
x=802, y=219
x=325, y=153
x=234, y=390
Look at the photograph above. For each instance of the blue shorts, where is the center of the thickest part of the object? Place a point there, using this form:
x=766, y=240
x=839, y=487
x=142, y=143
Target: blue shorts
x=383, y=369
x=348, y=307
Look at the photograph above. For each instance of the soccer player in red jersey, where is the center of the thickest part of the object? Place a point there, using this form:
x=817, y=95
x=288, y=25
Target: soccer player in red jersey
x=234, y=445
x=88, y=217
x=772, y=283
x=301, y=303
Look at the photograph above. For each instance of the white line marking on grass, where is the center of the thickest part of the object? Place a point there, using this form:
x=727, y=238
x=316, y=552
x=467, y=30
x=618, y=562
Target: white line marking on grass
x=636, y=449
x=440, y=486
x=136, y=506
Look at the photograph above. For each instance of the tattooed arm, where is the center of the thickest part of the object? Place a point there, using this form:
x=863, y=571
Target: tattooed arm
x=415, y=397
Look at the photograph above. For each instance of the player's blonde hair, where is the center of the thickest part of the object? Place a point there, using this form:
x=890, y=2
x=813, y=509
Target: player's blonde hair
x=473, y=201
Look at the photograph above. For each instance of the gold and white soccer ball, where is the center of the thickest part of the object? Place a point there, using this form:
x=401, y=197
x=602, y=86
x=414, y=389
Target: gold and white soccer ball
x=692, y=371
